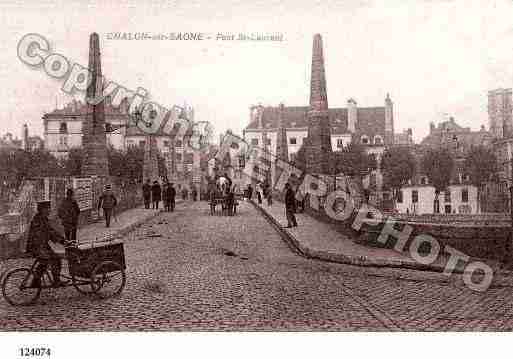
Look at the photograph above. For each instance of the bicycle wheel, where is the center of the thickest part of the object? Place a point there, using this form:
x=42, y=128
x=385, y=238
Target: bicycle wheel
x=108, y=279
x=16, y=287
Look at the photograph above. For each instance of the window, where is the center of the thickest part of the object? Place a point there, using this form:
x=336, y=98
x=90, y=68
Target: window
x=365, y=140
x=340, y=143
x=178, y=143
x=423, y=180
x=188, y=158
x=414, y=196
x=63, y=140
x=268, y=141
x=293, y=141
x=254, y=141
x=178, y=157
x=142, y=143
x=130, y=143
x=378, y=140
x=399, y=196
x=464, y=195
x=166, y=143
x=447, y=196
x=242, y=162
x=63, y=128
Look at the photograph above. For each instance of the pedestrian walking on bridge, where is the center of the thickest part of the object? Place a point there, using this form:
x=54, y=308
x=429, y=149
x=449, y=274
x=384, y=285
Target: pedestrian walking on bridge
x=156, y=194
x=290, y=206
x=108, y=203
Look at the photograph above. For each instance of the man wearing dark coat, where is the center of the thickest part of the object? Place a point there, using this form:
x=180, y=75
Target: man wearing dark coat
x=171, y=196
x=68, y=213
x=165, y=197
x=156, y=194
x=39, y=236
x=147, y=194
x=108, y=203
x=290, y=206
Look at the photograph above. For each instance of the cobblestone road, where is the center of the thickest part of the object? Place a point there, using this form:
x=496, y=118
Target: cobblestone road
x=188, y=270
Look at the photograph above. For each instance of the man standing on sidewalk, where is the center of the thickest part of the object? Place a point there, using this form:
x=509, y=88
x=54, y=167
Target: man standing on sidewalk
x=108, y=202
x=290, y=206
x=147, y=194
x=172, y=196
x=156, y=194
x=68, y=212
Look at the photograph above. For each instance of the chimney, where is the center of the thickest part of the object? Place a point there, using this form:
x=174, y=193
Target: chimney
x=352, y=115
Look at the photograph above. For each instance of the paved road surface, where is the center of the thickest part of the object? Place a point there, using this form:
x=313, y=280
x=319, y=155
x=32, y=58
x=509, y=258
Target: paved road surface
x=188, y=270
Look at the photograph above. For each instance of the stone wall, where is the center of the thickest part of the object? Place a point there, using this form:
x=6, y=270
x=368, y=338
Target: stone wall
x=15, y=224
x=480, y=236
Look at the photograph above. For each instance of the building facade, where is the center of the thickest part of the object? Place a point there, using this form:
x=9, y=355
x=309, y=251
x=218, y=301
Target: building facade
x=460, y=197
x=500, y=113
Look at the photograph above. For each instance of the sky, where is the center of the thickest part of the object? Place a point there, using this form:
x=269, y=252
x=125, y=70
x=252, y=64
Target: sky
x=436, y=58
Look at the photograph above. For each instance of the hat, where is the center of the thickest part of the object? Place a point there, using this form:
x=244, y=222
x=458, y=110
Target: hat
x=43, y=204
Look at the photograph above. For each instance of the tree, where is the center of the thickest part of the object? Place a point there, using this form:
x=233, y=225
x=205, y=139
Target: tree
x=480, y=164
x=398, y=165
x=353, y=161
x=72, y=165
x=438, y=165
x=117, y=163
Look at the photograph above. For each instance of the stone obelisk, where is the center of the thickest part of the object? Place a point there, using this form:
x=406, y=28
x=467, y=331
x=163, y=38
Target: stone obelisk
x=318, y=142
x=282, y=151
x=94, y=138
x=150, y=164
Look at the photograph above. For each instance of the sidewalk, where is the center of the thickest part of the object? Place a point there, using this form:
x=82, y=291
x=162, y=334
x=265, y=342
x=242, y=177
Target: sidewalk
x=120, y=225
x=318, y=240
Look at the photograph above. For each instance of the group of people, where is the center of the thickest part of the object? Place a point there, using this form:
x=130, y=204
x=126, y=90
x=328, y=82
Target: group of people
x=156, y=193
x=294, y=201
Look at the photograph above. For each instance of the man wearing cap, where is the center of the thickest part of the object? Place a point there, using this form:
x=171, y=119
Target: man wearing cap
x=108, y=202
x=40, y=234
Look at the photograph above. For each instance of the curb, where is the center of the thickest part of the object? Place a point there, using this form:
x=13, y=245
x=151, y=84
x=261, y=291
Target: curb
x=361, y=261
x=129, y=228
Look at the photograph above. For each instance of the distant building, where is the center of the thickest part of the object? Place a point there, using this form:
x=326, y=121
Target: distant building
x=63, y=127
x=404, y=139
x=418, y=197
x=500, y=113
x=8, y=141
x=369, y=126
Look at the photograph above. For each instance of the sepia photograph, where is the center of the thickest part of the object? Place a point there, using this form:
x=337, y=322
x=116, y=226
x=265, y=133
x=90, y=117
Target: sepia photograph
x=264, y=174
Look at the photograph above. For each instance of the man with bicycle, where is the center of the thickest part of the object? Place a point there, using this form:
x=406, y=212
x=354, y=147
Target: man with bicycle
x=38, y=244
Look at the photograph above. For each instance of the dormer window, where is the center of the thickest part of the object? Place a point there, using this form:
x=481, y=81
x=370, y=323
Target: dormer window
x=365, y=140
x=63, y=128
x=378, y=140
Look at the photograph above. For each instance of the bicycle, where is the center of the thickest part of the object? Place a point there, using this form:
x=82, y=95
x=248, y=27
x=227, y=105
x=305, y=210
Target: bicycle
x=92, y=270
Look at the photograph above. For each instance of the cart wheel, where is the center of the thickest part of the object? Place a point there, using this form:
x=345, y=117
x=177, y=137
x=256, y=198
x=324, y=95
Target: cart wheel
x=15, y=287
x=108, y=279
x=83, y=285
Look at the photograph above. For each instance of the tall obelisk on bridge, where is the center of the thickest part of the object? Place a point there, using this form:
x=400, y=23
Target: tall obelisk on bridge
x=94, y=138
x=318, y=142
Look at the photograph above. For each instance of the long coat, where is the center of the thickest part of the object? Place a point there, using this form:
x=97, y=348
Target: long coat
x=156, y=192
x=68, y=212
x=40, y=233
x=290, y=200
